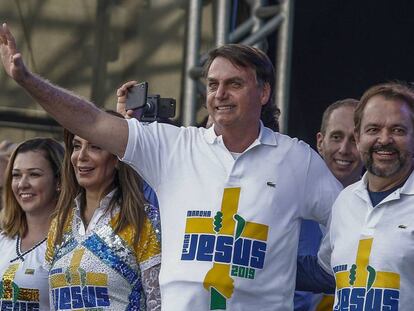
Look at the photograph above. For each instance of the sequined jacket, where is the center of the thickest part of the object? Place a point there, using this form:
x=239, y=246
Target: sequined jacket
x=96, y=268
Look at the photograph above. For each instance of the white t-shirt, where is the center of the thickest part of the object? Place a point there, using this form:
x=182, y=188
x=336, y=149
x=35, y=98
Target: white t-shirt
x=370, y=250
x=24, y=283
x=230, y=226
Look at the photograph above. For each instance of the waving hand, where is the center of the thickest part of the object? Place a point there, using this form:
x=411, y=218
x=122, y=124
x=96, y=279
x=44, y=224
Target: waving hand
x=10, y=56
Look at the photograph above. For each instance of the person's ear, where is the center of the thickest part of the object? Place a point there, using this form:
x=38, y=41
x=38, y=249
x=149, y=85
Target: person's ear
x=264, y=98
x=319, y=141
x=116, y=164
x=357, y=137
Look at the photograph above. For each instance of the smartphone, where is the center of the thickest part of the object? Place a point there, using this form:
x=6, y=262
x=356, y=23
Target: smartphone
x=137, y=98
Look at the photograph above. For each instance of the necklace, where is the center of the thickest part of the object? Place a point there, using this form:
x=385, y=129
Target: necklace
x=20, y=254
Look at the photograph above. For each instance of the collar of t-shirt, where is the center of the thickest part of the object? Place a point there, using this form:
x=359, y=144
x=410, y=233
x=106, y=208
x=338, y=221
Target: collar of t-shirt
x=235, y=155
x=266, y=136
x=98, y=214
x=377, y=197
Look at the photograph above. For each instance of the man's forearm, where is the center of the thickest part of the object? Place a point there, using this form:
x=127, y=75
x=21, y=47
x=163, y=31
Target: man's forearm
x=62, y=104
x=78, y=115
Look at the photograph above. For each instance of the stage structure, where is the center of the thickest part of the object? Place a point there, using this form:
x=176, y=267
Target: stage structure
x=121, y=50
x=264, y=20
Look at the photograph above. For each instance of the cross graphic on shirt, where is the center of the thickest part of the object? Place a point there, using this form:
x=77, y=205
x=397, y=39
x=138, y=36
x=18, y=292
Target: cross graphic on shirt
x=363, y=275
x=228, y=223
x=75, y=275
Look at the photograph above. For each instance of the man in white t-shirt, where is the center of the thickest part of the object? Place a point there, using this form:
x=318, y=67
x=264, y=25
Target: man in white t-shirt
x=336, y=144
x=370, y=247
x=231, y=196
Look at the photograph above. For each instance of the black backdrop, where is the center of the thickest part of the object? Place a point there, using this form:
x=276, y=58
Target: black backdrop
x=340, y=48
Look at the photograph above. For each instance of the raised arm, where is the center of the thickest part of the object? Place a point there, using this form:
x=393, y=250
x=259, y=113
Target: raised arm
x=73, y=112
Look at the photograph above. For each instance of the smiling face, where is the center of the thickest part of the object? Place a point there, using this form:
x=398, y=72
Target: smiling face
x=33, y=183
x=386, y=139
x=234, y=96
x=94, y=168
x=337, y=146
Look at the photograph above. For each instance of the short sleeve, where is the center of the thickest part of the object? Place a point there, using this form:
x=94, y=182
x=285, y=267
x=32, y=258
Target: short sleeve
x=149, y=147
x=324, y=253
x=322, y=188
x=148, y=249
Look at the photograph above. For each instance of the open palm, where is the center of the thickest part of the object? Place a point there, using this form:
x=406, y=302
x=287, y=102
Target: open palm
x=10, y=57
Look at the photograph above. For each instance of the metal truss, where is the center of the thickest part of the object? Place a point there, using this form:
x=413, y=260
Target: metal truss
x=264, y=20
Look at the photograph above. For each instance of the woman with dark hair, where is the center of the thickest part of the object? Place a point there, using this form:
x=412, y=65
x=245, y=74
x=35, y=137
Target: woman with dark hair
x=104, y=244
x=30, y=195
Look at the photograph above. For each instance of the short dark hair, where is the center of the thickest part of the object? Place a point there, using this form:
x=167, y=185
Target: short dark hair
x=392, y=90
x=347, y=102
x=249, y=57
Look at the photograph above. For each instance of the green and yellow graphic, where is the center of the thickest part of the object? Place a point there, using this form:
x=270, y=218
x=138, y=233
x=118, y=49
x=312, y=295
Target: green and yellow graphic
x=235, y=247
x=75, y=275
x=10, y=291
x=361, y=287
x=362, y=274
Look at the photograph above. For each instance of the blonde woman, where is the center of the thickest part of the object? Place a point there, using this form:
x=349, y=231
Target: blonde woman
x=30, y=194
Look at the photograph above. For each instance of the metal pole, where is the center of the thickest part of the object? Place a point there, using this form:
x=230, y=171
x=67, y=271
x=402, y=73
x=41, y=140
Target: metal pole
x=223, y=21
x=101, y=47
x=283, y=63
x=258, y=22
x=245, y=28
x=260, y=35
x=192, y=48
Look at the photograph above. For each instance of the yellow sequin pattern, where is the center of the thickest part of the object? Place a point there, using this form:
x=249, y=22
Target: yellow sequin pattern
x=51, y=236
x=12, y=292
x=148, y=245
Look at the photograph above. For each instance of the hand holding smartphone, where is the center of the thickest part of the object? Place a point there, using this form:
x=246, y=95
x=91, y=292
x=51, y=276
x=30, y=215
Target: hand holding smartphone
x=137, y=99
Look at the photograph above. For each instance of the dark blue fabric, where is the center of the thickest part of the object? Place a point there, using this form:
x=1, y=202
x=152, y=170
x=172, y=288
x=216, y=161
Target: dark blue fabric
x=302, y=301
x=149, y=194
x=311, y=277
x=377, y=197
x=309, y=240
